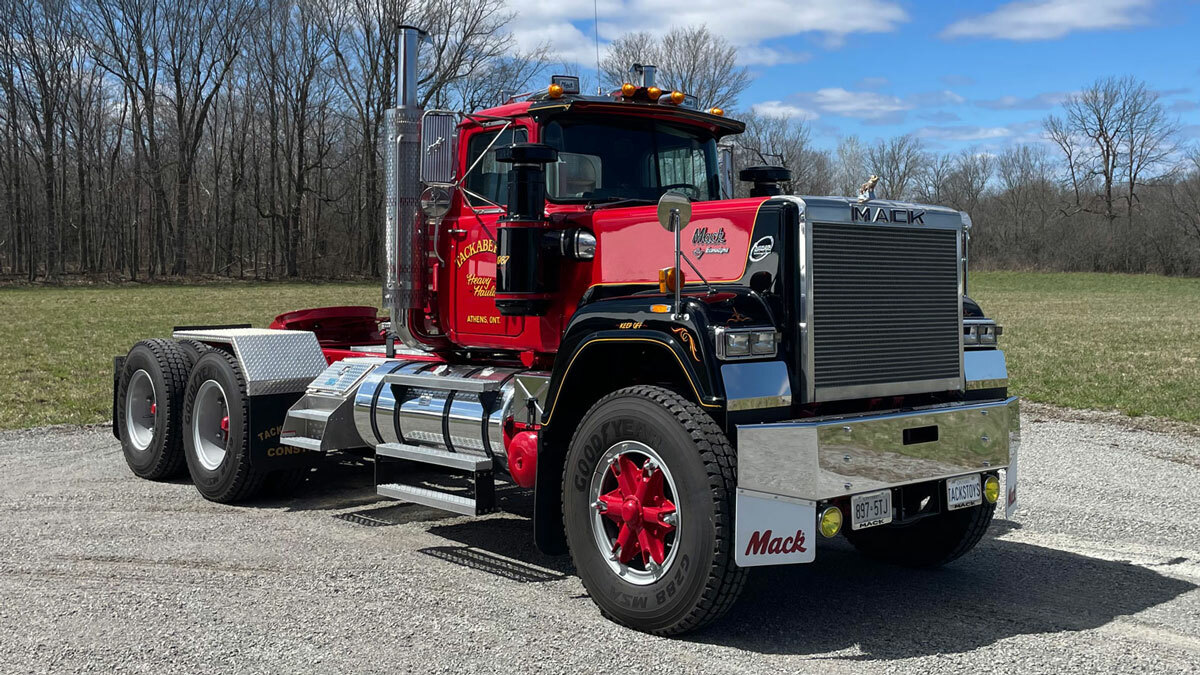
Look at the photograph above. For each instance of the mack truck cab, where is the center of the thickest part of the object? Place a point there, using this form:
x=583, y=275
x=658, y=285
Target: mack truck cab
x=690, y=384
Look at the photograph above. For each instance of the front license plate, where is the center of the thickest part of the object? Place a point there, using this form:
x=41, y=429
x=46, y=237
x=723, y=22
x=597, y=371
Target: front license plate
x=870, y=509
x=963, y=491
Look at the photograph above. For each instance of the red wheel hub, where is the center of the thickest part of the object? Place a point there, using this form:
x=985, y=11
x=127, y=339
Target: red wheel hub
x=638, y=506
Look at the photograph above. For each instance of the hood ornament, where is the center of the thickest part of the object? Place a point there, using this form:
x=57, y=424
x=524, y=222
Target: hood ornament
x=867, y=191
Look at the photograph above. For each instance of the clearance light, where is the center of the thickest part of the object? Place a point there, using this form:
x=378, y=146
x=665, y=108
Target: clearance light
x=555, y=91
x=660, y=309
x=628, y=90
x=667, y=281
x=716, y=111
x=830, y=521
x=654, y=93
x=677, y=97
x=991, y=489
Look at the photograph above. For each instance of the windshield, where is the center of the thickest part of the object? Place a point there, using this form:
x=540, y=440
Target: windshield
x=628, y=158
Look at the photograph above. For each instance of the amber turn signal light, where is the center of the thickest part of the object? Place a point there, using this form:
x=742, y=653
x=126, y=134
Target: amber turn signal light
x=668, y=281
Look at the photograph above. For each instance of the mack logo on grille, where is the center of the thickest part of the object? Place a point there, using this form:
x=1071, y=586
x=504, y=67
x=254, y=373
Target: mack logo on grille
x=703, y=236
x=876, y=214
x=762, y=543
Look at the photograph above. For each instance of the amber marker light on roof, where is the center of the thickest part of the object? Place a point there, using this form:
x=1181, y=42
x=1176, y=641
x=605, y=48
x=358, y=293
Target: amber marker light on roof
x=654, y=93
x=556, y=91
x=628, y=90
x=716, y=111
x=677, y=97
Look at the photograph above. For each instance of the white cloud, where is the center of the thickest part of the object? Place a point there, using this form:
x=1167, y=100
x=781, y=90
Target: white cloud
x=781, y=109
x=758, y=55
x=867, y=105
x=1043, y=101
x=537, y=21
x=1050, y=19
x=964, y=133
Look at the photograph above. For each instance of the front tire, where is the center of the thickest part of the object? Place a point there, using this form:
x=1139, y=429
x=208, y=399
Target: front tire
x=648, y=493
x=929, y=542
x=216, y=436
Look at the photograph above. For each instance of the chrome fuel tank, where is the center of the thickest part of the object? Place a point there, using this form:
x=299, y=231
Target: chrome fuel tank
x=458, y=407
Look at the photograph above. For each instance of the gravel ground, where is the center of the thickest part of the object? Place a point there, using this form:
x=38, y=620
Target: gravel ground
x=100, y=571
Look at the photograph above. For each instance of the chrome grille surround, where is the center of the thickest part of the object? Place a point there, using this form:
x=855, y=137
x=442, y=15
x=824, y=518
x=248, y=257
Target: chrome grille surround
x=900, y=344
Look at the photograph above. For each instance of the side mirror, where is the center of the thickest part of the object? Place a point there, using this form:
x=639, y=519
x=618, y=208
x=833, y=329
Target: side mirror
x=438, y=134
x=674, y=211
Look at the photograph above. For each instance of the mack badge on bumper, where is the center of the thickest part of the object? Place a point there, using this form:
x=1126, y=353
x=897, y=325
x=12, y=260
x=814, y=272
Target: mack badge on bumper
x=774, y=530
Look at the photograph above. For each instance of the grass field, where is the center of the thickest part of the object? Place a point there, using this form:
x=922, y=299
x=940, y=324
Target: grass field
x=1126, y=343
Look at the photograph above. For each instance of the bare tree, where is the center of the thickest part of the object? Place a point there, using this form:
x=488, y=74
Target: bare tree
x=691, y=59
x=42, y=41
x=851, y=165
x=786, y=142
x=898, y=162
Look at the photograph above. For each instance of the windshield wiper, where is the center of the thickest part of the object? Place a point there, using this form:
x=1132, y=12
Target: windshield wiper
x=617, y=201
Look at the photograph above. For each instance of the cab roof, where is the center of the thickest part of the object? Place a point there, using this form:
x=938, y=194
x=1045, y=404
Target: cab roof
x=546, y=108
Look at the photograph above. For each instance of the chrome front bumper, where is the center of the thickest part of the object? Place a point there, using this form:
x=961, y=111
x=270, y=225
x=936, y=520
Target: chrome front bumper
x=787, y=469
x=827, y=458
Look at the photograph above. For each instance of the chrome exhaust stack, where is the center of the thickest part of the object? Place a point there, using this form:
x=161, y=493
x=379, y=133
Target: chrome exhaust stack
x=405, y=240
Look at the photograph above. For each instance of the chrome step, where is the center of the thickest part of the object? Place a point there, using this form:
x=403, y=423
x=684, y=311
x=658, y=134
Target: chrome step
x=311, y=414
x=435, y=498
x=428, y=381
x=436, y=456
x=302, y=442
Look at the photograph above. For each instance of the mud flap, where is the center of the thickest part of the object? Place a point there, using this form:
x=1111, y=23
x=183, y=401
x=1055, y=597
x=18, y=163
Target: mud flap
x=118, y=366
x=774, y=530
x=267, y=414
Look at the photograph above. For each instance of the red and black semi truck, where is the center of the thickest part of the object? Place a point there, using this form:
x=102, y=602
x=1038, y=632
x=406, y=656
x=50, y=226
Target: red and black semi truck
x=692, y=384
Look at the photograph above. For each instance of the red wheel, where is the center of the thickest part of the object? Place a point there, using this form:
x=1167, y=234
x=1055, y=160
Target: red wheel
x=635, y=523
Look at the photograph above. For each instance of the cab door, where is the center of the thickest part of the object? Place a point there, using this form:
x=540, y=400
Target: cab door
x=473, y=269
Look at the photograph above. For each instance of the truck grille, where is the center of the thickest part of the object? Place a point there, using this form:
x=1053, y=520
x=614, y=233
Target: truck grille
x=886, y=311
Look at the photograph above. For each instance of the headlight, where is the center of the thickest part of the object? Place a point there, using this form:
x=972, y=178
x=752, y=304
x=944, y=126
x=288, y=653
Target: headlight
x=737, y=344
x=745, y=343
x=980, y=332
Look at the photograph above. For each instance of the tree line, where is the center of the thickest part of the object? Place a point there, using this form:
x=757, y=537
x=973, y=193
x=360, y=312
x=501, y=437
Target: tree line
x=144, y=139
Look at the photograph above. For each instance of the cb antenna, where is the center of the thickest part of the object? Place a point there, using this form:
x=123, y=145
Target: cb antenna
x=596, y=39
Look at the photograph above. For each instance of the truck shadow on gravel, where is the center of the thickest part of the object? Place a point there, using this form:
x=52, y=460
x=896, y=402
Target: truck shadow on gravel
x=1000, y=590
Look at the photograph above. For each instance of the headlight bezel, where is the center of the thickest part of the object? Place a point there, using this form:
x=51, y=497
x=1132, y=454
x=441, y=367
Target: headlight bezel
x=981, y=333
x=739, y=344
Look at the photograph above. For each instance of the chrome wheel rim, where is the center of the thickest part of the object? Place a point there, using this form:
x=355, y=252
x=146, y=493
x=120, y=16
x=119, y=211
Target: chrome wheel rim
x=141, y=407
x=635, y=518
x=210, y=424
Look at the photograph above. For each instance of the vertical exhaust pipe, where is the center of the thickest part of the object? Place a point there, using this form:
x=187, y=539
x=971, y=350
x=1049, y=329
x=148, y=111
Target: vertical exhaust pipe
x=404, y=284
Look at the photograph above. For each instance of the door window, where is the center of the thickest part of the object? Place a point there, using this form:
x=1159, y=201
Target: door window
x=487, y=184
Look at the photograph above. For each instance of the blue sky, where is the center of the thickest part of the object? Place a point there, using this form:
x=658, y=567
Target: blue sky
x=959, y=74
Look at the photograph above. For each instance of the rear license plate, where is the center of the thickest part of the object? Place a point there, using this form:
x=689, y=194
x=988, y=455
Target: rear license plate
x=963, y=491
x=870, y=509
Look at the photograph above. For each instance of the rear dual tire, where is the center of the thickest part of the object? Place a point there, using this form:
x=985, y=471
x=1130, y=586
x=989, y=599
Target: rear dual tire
x=150, y=408
x=216, y=437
